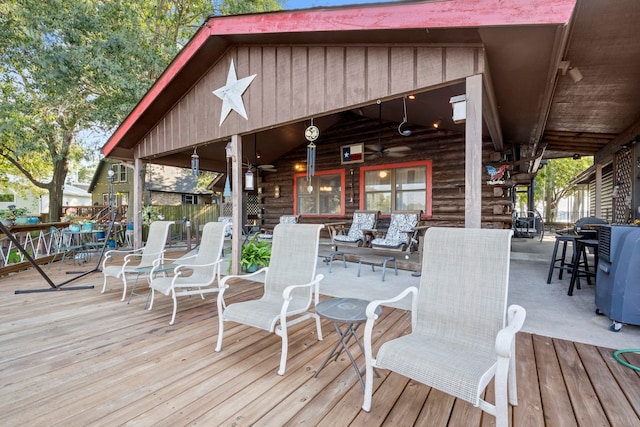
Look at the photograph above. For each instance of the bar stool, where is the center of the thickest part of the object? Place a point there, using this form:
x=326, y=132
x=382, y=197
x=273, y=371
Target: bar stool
x=563, y=264
x=581, y=265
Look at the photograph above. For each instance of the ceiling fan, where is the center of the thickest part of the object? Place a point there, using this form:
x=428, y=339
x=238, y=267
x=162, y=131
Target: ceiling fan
x=255, y=166
x=376, y=151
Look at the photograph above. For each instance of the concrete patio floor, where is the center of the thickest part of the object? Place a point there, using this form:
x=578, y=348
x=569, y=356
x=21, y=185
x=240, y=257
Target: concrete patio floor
x=550, y=311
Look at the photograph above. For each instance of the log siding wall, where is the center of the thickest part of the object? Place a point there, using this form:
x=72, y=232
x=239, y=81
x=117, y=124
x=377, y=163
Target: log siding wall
x=448, y=195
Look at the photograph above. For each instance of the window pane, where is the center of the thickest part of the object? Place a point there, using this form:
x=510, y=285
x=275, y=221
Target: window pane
x=378, y=180
x=411, y=178
x=306, y=201
x=410, y=200
x=329, y=194
x=378, y=201
x=325, y=197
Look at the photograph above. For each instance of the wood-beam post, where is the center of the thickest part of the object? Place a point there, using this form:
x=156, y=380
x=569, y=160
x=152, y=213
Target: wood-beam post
x=138, y=192
x=236, y=200
x=473, y=153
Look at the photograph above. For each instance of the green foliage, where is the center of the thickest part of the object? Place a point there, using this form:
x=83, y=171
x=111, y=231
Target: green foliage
x=553, y=182
x=237, y=7
x=69, y=67
x=149, y=214
x=256, y=252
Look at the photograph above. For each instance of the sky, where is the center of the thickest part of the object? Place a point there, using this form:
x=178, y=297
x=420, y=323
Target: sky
x=304, y=4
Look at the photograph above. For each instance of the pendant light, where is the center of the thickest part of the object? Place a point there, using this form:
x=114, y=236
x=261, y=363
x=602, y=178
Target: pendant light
x=195, y=163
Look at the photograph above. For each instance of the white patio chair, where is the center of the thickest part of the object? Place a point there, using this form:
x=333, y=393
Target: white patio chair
x=462, y=334
x=267, y=234
x=153, y=249
x=362, y=220
x=401, y=228
x=227, y=220
x=290, y=286
x=194, y=275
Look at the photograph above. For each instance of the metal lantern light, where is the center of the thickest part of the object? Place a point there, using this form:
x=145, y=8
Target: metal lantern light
x=248, y=180
x=195, y=163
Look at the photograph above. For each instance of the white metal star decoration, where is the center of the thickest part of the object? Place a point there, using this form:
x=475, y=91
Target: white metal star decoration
x=231, y=94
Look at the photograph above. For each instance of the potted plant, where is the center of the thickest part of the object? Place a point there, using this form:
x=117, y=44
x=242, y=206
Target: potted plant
x=87, y=224
x=71, y=217
x=16, y=215
x=256, y=254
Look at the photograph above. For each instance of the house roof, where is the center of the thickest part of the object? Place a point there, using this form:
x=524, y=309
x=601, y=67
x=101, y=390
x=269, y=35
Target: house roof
x=161, y=178
x=526, y=42
x=172, y=180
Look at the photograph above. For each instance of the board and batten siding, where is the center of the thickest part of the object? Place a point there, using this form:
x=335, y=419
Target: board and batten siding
x=296, y=82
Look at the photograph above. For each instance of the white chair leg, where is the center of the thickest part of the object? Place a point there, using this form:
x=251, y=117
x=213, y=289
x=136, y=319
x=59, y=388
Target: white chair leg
x=153, y=294
x=368, y=387
x=175, y=307
x=219, y=303
x=501, y=405
x=318, y=326
x=124, y=284
x=512, y=387
x=104, y=284
x=285, y=346
x=220, y=333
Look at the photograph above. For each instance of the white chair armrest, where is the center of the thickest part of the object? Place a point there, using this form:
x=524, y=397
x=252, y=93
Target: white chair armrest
x=371, y=308
x=286, y=294
x=504, y=340
x=228, y=277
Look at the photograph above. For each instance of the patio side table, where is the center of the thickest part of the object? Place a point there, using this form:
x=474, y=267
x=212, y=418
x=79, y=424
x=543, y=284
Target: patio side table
x=350, y=312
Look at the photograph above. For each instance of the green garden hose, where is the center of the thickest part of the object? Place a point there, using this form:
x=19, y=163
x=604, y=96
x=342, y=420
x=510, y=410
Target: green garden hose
x=617, y=354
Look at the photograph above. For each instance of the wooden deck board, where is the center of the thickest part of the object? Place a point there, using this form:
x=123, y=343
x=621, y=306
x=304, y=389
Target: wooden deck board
x=84, y=358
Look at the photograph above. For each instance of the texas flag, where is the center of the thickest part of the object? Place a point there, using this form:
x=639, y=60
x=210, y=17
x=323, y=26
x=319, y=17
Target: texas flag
x=352, y=153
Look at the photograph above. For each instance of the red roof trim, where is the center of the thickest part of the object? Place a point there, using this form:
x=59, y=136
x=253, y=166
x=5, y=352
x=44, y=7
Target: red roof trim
x=438, y=14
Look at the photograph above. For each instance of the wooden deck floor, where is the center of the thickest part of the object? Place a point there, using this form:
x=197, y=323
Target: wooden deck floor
x=78, y=358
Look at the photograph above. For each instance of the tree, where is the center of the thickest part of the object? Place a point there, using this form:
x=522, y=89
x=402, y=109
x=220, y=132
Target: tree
x=73, y=66
x=553, y=182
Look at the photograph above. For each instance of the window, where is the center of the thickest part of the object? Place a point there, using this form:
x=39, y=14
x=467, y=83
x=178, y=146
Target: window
x=326, y=196
x=7, y=198
x=120, y=173
x=400, y=186
x=189, y=199
x=119, y=199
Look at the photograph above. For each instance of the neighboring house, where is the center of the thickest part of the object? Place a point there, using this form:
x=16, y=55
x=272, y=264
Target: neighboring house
x=164, y=185
x=71, y=196
x=10, y=197
x=168, y=185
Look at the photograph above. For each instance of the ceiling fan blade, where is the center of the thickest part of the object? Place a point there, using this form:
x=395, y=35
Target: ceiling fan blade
x=372, y=156
x=396, y=154
x=374, y=147
x=265, y=167
x=397, y=149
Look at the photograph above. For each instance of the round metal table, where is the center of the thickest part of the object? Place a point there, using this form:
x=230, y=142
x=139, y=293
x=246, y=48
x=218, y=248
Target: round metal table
x=350, y=312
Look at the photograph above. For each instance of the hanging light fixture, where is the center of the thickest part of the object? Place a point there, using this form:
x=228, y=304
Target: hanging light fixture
x=195, y=163
x=226, y=192
x=248, y=180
